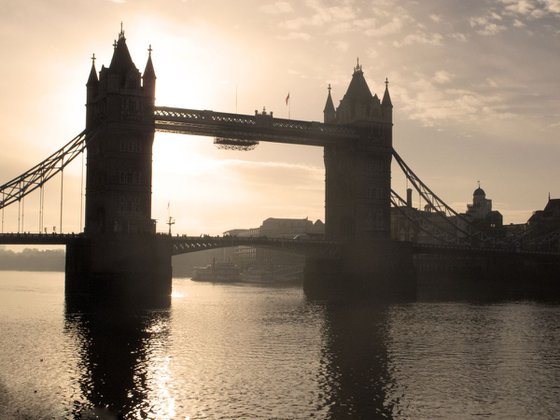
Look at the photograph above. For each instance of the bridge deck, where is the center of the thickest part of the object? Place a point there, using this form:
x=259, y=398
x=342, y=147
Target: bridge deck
x=38, y=238
x=187, y=244
x=257, y=127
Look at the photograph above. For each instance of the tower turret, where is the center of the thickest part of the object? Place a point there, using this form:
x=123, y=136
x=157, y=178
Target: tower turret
x=358, y=104
x=386, y=104
x=92, y=86
x=149, y=76
x=329, y=113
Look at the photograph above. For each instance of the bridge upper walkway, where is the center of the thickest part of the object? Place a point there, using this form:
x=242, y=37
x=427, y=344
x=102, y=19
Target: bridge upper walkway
x=258, y=127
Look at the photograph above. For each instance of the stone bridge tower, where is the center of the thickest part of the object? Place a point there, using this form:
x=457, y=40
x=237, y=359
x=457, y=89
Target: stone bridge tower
x=120, y=254
x=358, y=174
x=120, y=118
x=357, y=204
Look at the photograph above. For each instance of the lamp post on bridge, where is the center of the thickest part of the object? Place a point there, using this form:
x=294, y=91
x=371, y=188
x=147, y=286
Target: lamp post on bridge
x=170, y=221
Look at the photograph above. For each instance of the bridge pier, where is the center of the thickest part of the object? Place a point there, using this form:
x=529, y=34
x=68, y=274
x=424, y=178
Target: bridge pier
x=137, y=267
x=375, y=270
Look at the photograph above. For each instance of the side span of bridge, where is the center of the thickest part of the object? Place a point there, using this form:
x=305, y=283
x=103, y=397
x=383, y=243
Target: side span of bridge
x=38, y=238
x=187, y=244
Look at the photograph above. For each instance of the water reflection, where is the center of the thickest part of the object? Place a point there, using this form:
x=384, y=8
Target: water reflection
x=355, y=376
x=120, y=370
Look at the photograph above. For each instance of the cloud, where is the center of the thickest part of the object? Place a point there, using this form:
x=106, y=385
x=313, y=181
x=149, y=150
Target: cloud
x=552, y=5
x=279, y=7
x=342, y=45
x=394, y=26
x=304, y=36
x=420, y=38
x=279, y=174
x=427, y=101
x=523, y=7
x=487, y=25
x=435, y=18
x=442, y=77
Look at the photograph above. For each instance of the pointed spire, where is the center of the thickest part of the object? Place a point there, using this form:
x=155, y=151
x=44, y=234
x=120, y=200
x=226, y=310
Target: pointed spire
x=149, y=72
x=358, y=67
x=92, y=79
x=358, y=89
x=329, y=113
x=386, y=97
x=121, y=61
x=121, y=34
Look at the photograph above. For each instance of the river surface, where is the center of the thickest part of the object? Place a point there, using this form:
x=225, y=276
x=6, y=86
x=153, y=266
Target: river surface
x=253, y=352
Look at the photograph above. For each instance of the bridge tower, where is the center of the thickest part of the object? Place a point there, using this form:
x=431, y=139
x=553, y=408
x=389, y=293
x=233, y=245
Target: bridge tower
x=358, y=174
x=357, y=203
x=120, y=242
x=120, y=116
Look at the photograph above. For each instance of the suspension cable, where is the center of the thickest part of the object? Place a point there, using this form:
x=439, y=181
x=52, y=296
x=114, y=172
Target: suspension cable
x=445, y=236
x=61, y=193
x=434, y=202
x=19, y=216
x=82, y=194
x=23, y=214
x=32, y=179
x=41, y=206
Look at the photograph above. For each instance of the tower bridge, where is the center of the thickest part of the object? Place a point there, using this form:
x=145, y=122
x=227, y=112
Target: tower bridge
x=120, y=252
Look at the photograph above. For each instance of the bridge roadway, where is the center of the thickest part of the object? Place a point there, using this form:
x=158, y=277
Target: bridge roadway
x=183, y=244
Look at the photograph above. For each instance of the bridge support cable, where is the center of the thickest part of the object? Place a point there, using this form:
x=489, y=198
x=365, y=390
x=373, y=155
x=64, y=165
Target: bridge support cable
x=61, y=193
x=41, y=206
x=437, y=204
x=82, y=194
x=39, y=174
x=23, y=214
x=3, y=195
x=19, y=217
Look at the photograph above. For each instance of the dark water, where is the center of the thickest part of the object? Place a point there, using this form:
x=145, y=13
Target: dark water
x=248, y=352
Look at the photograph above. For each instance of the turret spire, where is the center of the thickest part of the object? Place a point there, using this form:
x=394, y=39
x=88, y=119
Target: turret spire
x=92, y=79
x=329, y=113
x=149, y=73
x=358, y=66
x=386, y=97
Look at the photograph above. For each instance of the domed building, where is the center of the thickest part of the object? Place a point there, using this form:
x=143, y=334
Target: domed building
x=480, y=211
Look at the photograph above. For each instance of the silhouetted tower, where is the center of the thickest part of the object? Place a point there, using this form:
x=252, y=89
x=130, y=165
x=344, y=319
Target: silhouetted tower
x=119, y=253
x=120, y=121
x=358, y=173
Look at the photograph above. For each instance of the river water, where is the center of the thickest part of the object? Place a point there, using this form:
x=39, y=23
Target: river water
x=255, y=352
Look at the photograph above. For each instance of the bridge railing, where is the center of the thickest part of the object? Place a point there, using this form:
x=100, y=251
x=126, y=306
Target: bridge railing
x=186, y=244
x=38, y=238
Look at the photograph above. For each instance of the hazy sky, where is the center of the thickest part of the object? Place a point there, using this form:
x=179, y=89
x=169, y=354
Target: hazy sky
x=475, y=87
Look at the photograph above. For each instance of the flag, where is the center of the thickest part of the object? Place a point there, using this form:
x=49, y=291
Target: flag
x=288, y=98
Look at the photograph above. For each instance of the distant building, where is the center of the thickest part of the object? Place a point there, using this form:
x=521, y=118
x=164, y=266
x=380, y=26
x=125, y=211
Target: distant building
x=543, y=231
x=480, y=213
x=430, y=227
x=282, y=228
x=549, y=217
x=247, y=256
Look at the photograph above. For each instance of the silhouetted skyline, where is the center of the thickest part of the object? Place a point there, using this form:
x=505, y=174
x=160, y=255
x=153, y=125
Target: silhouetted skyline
x=474, y=90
